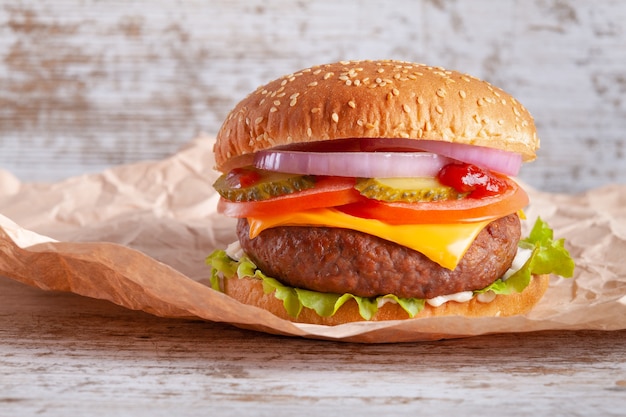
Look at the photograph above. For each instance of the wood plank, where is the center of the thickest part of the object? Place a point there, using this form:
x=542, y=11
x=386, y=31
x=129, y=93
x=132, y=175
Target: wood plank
x=62, y=354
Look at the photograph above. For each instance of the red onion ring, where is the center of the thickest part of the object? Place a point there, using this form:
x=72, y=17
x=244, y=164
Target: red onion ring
x=353, y=164
x=507, y=163
x=504, y=162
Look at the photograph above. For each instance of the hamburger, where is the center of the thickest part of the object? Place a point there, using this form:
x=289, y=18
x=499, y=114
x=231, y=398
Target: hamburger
x=380, y=190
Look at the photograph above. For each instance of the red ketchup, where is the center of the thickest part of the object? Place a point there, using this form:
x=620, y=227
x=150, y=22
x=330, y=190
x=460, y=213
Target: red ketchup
x=242, y=177
x=468, y=178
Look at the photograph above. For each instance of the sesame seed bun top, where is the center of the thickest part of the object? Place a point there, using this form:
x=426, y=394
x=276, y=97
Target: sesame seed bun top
x=376, y=99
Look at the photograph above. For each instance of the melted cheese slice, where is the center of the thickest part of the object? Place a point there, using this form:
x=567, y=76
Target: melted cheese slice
x=442, y=243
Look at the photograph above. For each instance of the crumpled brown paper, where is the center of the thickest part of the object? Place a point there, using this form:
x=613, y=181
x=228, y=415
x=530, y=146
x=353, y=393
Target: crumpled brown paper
x=137, y=235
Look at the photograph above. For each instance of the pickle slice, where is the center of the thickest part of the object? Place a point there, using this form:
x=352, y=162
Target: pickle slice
x=252, y=184
x=406, y=190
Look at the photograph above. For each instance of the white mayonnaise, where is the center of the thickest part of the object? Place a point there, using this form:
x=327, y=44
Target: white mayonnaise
x=234, y=251
x=521, y=257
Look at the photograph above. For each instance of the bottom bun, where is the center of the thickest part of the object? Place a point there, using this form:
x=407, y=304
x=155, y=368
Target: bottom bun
x=250, y=291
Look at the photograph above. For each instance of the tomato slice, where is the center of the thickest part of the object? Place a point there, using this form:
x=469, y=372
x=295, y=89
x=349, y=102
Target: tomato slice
x=328, y=192
x=452, y=211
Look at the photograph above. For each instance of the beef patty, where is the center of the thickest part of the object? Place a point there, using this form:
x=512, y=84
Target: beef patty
x=346, y=261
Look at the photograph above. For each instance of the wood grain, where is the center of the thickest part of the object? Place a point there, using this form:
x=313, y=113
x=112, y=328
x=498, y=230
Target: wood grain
x=85, y=85
x=63, y=354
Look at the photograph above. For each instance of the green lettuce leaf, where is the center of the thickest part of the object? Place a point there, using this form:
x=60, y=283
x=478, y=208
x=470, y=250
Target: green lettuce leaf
x=551, y=256
x=548, y=257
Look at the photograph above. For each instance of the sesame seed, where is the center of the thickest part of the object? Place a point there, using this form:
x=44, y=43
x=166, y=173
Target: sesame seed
x=247, y=121
x=360, y=122
x=503, y=101
x=273, y=110
x=462, y=94
x=313, y=84
x=481, y=101
x=352, y=104
x=283, y=94
x=283, y=82
x=335, y=117
x=276, y=102
x=378, y=80
x=292, y=78
x=516, y=112
x=357, y=82
x=380, y=70
x=501, y=122
x=412, y=77
x=395, y=91
x=428, y=126
x=465, y=78
x=439, y=109
x=315, y=110
x=309, y=132
x=328, y=75
x=406, y=108
x=294, y=95
x=258, y=120
x=348, y=82
x=261, y=102
x=317, y=71
x=420, y=100
x=389, y=96
x=293, y=102
x=343, y=77
x=441, y=92
x=369, y=126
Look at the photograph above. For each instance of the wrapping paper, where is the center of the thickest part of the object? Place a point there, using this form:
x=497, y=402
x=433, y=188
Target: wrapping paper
x=137, y=235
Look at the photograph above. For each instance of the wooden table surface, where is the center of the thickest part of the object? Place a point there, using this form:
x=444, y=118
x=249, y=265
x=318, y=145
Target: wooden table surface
x=62, y=354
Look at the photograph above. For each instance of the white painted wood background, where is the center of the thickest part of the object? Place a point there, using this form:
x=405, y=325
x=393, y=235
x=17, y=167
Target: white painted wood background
x=87, y=84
